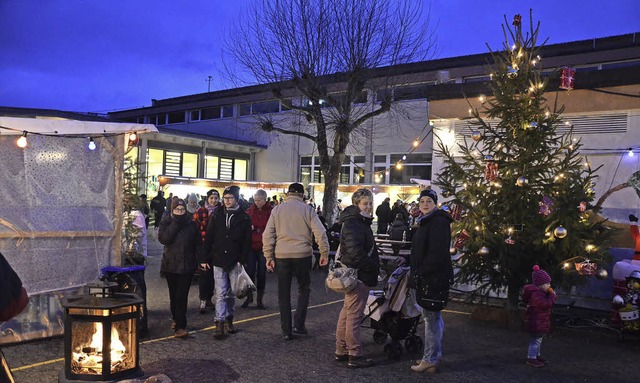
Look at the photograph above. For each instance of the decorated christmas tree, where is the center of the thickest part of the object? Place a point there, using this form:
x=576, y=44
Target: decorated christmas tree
x=520, y=192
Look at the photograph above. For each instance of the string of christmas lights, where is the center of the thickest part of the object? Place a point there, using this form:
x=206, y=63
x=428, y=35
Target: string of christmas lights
x=22, y=141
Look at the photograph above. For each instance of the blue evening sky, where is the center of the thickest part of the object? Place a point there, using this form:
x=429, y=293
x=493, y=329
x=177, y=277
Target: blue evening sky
x=98, y=56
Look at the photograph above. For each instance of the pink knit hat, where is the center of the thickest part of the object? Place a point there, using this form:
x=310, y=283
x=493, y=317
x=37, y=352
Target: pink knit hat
x=539, y=276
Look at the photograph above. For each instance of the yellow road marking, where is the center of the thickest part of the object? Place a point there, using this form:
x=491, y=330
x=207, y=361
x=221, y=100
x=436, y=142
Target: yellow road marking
x=26, y=367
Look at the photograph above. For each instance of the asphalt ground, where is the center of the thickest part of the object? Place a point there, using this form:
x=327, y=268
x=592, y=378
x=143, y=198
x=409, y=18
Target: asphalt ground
x=474, y=351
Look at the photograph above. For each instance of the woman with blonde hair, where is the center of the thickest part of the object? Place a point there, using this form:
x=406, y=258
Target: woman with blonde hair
x=357, y=250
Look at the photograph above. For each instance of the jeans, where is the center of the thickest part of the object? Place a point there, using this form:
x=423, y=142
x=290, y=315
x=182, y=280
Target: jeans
x=179, y=285
x=348, y=328
x=257, y=263
x=433, y=330
x=225, y=299
x=205, y=284
x=535, y=341
x=286, y=269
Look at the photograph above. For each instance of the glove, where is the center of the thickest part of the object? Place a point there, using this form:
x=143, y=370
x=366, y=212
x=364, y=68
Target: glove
x=633, y=218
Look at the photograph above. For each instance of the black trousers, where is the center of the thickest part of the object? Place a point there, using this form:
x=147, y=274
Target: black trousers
x=256, y=267
x=286, y=269
x=179, y=285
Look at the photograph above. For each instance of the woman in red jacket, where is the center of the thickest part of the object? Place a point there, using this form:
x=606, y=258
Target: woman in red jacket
x=256, y=264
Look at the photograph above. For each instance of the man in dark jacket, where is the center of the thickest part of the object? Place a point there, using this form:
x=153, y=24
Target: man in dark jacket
x=181, y=239
x=158, y=204
x=383, y=212
x=227, y=242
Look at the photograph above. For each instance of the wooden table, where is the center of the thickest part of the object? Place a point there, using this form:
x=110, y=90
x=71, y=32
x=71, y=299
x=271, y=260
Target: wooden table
x=386, y=248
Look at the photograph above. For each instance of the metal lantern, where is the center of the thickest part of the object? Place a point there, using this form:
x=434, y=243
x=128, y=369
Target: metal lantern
x=100, y=335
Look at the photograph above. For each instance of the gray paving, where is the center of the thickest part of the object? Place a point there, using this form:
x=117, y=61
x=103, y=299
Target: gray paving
x=474, y=351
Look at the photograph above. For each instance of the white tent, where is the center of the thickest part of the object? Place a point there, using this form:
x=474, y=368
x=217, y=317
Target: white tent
x=61, y=210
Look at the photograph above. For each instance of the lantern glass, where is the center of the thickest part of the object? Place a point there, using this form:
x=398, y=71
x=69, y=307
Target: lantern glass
x=92, y=347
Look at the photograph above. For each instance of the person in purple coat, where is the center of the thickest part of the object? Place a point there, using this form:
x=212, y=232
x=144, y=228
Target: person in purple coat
x=539, y=298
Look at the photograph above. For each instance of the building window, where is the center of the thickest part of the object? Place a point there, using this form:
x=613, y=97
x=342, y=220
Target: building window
x=305, y=175
x=404, y=175
x=210, y=113
x=380, y=159
x=227, y=111
x=155, y=160
x=261, y=107
x=175, y=117
x=409, y=92
x=264, y=107
x=226, y=168
x=211, y=167
x=240, y=170
x=172, y=163
x=195, y=115
x=189, y=165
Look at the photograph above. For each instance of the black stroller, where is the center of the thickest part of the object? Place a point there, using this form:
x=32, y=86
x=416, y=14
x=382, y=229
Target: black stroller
x=395, y=314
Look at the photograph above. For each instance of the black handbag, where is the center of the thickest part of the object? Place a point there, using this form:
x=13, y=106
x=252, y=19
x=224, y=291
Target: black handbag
x=429, y=297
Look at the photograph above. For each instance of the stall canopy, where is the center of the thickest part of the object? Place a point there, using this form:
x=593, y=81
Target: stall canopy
x=60, y=200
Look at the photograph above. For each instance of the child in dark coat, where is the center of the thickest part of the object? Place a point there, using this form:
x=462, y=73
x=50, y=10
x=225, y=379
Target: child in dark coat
x=539, y=298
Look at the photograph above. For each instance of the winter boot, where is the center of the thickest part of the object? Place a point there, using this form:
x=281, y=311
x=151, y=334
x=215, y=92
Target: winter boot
x=260, y=305
x=219, y=331
x=247, y=301
x=228, y=325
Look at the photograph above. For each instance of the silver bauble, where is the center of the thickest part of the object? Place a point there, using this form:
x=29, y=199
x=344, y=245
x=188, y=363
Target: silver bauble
x=521, y=181
x=560, y=232
x=602, y=274
x=476, y=136
x=618, y=302
x=483, y=251
x=453, y=251
x=533, y=124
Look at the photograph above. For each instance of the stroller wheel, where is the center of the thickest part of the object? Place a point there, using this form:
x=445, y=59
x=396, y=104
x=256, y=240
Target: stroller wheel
x=379, y=336
x=414, y=344
x=393, y=350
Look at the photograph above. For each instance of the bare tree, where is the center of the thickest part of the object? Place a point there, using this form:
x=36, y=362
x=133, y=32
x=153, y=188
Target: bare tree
x=328, y=53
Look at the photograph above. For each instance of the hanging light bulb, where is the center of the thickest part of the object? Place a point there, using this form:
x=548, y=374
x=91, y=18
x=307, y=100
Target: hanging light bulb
x=630, y=152
x=416, y=143
x=399, y=165
x=92, y=145
x=404, y=157
x=22, y=141
x=133, y=136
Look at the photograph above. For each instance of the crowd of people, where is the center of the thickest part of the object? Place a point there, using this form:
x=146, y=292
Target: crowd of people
x=277, y=235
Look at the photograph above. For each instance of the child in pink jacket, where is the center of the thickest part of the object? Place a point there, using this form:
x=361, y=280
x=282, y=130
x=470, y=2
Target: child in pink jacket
x=539, y=298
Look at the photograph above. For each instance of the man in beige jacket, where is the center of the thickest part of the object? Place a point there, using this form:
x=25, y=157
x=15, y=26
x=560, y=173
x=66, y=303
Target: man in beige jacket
x=287, y=246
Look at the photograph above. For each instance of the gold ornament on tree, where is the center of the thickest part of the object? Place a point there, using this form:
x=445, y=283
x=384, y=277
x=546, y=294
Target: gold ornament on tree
x=476, y=136
x=521, y=181
x=560, y=232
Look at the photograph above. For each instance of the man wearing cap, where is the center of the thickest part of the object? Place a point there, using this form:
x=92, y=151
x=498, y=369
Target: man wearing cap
x=287, y=246
x=227, y=242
